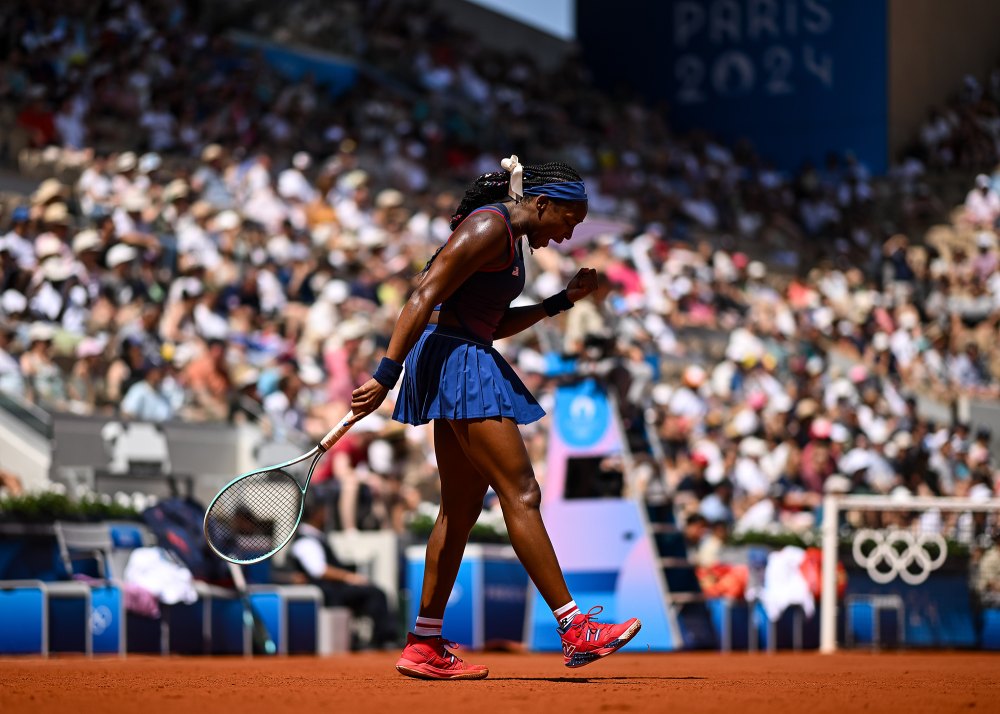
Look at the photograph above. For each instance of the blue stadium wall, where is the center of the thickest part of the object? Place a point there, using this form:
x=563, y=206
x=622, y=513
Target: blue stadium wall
x=798, y=78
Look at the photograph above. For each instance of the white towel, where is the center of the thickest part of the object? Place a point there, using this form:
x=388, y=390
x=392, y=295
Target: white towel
x=156, y=571
x=784, y=584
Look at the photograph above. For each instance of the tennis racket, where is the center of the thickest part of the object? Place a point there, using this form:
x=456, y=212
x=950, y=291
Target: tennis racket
x=261, y=641
x=256, y=514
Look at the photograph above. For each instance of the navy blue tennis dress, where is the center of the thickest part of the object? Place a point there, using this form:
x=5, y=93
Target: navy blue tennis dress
x=454, y=373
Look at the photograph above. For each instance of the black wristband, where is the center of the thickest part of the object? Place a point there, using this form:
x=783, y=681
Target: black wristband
x=557, y=303
x=388, y=372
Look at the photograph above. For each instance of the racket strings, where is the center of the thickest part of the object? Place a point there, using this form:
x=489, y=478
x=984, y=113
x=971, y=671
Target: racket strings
x=255, y=515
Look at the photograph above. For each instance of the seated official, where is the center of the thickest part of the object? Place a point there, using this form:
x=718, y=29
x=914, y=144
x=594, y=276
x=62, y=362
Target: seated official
x=312, y=555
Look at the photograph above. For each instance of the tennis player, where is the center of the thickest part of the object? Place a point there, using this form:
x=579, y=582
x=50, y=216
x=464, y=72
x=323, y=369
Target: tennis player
x=456, y=379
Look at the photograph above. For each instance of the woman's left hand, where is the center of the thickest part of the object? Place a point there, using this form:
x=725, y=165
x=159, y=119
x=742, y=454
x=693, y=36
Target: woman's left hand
x=582, y=284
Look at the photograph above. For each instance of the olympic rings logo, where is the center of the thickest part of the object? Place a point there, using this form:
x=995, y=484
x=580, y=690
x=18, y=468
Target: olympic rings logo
x=898, y=552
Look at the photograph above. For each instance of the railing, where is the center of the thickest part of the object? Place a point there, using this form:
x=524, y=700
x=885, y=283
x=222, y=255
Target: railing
x=31, y=415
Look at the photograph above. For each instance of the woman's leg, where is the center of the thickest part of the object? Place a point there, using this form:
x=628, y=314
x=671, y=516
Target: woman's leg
x=462, y=491
x=494, y=446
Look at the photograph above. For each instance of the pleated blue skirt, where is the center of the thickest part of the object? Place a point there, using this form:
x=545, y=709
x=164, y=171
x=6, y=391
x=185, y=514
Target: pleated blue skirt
x=452, y=375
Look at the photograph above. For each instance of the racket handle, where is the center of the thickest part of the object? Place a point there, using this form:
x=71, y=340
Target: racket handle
x=333, y=436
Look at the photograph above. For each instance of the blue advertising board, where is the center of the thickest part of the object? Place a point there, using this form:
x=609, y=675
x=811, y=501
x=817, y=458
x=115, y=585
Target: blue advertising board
x=336, y=74
x=798, y=78
x=487, y=604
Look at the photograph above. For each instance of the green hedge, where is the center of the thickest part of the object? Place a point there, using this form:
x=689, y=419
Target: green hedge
x=48, y=506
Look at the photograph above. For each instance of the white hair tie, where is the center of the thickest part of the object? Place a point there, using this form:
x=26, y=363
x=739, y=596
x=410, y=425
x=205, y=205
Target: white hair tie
x=511, y=165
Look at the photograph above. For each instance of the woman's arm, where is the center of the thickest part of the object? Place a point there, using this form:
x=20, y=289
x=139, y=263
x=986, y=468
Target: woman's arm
x=517, y=319
x=481, y=239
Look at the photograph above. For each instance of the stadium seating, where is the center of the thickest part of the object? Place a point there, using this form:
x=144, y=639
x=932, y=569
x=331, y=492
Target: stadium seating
x=864, y=618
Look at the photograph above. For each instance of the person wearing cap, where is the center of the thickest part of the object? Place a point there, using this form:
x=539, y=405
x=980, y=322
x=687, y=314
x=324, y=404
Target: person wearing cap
x=125, y=165
x=88, y=248
x=693, y=485
x=119, y=260
x=131, y=225
x=57, y=220
x=986, y=262
x=292, y=182
x=17, y=240
x=208, y=180
x=87, y=383
x=982, y=205
x=146, y=399
x=42, y=375
x=51, y=190
x=818, y=455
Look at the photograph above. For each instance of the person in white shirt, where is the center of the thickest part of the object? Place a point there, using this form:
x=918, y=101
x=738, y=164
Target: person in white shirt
x=313, y=557
x=17, y=240
x=292, y=183
x=982, y=204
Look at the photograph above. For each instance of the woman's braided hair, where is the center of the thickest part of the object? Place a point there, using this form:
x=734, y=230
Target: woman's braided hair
x=493, y=188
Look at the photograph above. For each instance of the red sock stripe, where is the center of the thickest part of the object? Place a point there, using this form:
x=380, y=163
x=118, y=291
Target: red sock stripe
x=568, y=610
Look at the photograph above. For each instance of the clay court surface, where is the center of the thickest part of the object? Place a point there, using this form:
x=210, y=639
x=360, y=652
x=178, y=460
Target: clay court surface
x=689, y=683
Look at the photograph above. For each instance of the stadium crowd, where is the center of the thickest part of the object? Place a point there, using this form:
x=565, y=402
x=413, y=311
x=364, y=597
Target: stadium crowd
x=223, y=243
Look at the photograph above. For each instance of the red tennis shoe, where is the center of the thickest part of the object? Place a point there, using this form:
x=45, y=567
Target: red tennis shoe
x=427, y=658
x=585, y=640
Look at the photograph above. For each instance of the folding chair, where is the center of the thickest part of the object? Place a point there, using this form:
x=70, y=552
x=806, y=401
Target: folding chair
x=92, y=542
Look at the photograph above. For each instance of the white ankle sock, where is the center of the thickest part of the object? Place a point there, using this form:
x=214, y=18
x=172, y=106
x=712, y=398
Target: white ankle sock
x=566, y=613
x=428, y=627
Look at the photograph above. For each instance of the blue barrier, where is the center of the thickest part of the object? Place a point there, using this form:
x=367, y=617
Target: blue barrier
x=23, y=618
x=991, y=629
x=488, y=601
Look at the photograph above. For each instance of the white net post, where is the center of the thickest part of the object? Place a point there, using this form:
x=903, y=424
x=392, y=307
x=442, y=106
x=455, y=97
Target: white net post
x=828, y=593
x=898, y=545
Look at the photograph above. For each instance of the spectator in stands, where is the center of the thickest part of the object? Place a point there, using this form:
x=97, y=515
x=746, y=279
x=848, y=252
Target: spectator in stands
x=148, y=399
x=695, y=530
x=10, y=484
x=207, y=378
x=314, y=557
x=11, y=381
x=988, y=574
x=42, y=375
x=982, y=204
x=17, y=241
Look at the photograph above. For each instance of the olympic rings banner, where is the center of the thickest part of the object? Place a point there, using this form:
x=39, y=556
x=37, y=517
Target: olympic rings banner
x=891, y=553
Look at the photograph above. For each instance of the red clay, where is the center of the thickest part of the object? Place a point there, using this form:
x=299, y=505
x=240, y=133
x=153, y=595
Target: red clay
x=688, y=683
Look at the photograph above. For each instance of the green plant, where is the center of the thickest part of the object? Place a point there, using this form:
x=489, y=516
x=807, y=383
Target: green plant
x=484, y=531
x=49, y=506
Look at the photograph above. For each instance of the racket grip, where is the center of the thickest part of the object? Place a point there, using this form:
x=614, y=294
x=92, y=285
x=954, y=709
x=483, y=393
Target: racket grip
x=333, y=436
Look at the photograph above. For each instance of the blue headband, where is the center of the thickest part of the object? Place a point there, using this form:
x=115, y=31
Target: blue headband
x=561, y=190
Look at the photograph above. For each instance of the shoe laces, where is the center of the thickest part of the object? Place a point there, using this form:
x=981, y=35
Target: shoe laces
x=442, y=644
x=588, y=619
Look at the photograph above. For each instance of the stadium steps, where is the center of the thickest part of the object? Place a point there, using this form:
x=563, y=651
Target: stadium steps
x=683, y=594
